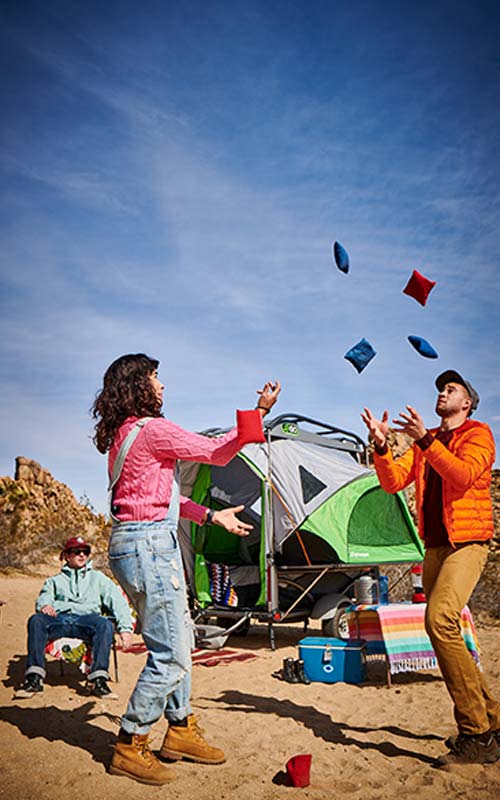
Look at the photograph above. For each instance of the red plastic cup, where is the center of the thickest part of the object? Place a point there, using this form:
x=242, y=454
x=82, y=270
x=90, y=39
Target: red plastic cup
x=299, y=770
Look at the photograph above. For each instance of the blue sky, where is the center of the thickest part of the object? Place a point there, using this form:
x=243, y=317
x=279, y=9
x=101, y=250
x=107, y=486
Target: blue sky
x=173, y=176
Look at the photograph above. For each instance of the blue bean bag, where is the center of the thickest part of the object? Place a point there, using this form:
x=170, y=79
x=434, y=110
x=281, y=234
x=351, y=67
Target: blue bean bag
x=423, y=347
x=341, y=257
x=360, y=354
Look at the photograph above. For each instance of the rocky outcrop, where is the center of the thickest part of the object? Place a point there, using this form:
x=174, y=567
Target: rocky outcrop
x=486, y=598
x=37, y=515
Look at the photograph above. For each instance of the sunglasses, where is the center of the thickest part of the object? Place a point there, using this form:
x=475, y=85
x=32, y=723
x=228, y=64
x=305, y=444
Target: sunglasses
x=78, y=552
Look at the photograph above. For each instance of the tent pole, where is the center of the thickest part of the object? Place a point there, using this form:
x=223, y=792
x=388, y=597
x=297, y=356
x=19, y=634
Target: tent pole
x=305, y=592
x=272, y=577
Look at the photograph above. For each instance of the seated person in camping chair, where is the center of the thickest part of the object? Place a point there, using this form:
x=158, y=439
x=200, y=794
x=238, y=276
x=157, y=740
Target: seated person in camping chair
x=70, y=605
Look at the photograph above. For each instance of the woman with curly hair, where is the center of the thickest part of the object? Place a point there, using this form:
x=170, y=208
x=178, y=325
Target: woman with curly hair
x=144, y=554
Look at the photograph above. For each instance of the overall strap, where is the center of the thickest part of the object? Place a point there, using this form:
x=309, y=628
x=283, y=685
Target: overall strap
x=173, y=508
x=122, y=455
x=123, y=451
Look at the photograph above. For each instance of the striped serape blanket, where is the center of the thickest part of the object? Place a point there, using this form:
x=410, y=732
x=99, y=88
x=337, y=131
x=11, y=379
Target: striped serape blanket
x=74, y=651
x=221, y=588
x=397, y=631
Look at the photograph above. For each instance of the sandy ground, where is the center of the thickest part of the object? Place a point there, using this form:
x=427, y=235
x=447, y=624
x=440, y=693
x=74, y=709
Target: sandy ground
x=368, y=742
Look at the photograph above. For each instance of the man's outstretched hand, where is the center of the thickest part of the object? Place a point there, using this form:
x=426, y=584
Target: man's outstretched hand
x=377, y=428
x=411, y=423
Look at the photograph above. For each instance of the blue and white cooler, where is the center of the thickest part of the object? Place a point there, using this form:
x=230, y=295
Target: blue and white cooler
x=329, y=660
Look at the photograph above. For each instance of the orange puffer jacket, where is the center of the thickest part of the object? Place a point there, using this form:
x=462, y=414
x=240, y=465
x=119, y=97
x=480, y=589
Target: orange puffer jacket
x=465, y=467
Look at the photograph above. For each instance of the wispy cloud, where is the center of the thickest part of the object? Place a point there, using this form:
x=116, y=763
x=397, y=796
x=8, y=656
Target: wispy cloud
x=177, y=192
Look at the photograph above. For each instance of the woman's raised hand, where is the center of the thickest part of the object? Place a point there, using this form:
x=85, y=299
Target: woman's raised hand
x=268, y=396
x=227, y=519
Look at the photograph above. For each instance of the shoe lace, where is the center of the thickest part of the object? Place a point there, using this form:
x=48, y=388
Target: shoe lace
x=197, y=729
x=146, y=752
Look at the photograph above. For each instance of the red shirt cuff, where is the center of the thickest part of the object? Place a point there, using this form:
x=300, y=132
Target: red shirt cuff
x=426, y=440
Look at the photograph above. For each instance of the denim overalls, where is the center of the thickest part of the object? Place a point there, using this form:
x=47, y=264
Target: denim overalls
x=145, y=558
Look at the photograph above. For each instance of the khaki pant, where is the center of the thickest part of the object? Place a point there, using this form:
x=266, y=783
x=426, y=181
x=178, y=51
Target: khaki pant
x=449, y=577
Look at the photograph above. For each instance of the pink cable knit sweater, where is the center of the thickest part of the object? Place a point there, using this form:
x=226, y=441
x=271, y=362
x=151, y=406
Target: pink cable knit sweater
x=145, y=486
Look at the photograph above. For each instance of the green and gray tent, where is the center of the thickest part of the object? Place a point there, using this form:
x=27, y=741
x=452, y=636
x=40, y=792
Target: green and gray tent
x=310, y=499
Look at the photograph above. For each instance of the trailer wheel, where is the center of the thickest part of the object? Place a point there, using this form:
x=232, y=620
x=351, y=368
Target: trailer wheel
x=337, y=626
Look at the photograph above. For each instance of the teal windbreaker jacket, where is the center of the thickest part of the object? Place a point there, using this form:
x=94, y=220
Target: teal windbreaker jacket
x=85, y=591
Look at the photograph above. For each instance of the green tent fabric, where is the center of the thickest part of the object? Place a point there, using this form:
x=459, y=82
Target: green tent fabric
x=365, y=525
x=201, y=579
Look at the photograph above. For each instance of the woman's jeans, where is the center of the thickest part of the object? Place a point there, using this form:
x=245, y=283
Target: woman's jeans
x=145, y=558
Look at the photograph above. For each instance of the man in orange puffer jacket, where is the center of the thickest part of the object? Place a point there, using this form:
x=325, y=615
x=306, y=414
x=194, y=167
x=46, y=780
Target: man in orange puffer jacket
x=451, y=466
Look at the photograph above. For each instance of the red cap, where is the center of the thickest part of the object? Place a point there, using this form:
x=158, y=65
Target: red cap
x=75, y=543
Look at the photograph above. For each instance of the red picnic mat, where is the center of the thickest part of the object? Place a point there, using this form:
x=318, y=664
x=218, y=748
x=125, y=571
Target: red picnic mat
x=211, y=658
x=207, y=658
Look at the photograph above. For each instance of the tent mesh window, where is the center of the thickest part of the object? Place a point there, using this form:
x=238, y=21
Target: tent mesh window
x=223, y=547
x=232, y=487
x=387, y=523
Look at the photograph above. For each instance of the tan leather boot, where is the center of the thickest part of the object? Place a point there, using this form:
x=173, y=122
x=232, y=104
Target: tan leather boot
x=133, y=758
x=188, y=742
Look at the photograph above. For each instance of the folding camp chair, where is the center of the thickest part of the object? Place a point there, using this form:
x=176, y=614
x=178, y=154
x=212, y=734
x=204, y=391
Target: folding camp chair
x=77, y=651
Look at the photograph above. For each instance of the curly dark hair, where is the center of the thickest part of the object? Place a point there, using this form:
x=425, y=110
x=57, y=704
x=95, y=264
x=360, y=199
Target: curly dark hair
x=127, y=392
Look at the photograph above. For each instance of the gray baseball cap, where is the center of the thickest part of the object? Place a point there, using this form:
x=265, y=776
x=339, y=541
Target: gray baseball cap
x=450, y=376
